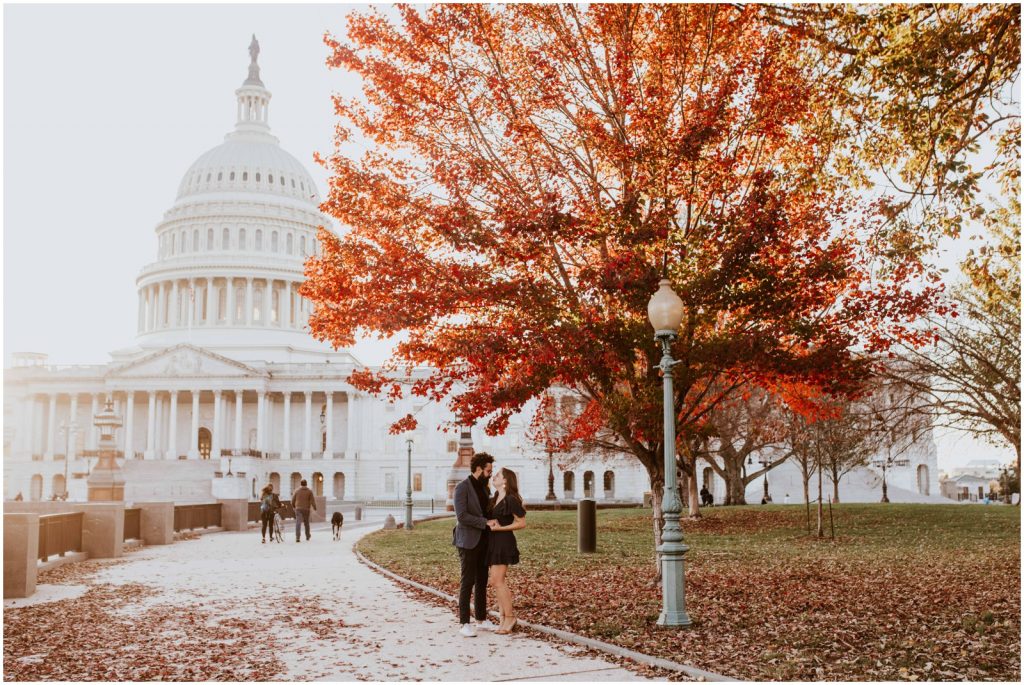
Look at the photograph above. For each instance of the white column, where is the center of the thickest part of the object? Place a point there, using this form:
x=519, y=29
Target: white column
x=161, y=305
x=129, y=425
x=308, y=427
x=151, y=426
x=238, y=420
x=210, y=318
x=73, y=419
x=51, y=427
x=193, y=440
x=330, y=422
x=90, y=425
x=172, y=428
x=175, y=304
x=268, y=290
x=231, y=301
x=218, y=418
x=160, y=435
x=350, y=441
x=248, y=302
x=286, y=305
x=261, y=400
x=286, y=447
x=268, y=424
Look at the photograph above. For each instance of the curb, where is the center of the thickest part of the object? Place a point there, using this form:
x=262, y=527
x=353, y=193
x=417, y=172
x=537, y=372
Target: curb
x=609, y=648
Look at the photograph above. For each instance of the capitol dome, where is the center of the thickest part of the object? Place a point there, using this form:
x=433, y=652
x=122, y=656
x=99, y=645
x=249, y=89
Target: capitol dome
x=231, y=249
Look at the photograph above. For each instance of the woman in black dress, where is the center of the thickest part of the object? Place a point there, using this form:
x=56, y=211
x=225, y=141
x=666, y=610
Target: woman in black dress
x=502, y=552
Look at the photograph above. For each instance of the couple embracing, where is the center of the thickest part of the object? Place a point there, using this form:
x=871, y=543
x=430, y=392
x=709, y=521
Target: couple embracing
x=486, y=543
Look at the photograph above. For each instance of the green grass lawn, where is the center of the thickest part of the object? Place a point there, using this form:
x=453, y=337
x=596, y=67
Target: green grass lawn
x=905, y=592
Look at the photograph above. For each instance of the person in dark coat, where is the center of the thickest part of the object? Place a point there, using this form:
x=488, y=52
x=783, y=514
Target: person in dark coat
x=470, y=537
x=502, y=551
x=302, y=500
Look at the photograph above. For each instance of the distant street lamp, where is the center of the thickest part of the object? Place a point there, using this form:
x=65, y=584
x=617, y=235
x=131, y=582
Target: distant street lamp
x=67, y=431
x=408, y=489
x=665, y=311
x=551, y=477
x=765, y=462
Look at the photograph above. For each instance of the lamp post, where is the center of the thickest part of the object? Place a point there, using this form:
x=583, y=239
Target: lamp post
x=551, y=477
x=765, y=461
x=408, y=489
x=67, y=430
x=665, y=311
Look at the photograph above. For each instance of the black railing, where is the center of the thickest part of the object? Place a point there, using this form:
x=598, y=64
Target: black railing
x=59, y=534
x=132, y=524
x=192, y=516
x=286, y=511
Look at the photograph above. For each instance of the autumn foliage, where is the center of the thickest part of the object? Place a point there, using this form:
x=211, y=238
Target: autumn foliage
x=514, y=180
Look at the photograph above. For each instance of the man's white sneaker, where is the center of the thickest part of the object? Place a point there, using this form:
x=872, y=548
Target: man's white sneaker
x=486, y=625
x=467, y=630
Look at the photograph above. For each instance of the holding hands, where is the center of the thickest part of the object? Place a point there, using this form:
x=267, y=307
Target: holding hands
x=493, y=524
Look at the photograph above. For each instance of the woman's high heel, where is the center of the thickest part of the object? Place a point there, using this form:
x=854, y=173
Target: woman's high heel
x=506, y=631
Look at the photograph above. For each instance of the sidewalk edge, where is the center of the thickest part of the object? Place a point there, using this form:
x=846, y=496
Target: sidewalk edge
x=639, y=657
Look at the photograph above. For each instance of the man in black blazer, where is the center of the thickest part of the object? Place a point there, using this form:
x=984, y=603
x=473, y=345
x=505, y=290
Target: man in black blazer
x=470, y=538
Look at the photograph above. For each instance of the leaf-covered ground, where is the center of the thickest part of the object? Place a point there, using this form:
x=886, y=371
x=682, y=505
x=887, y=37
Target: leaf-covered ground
x=906, y=592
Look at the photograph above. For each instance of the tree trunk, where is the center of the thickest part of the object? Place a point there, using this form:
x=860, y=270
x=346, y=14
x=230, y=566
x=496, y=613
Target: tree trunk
x=807, y=499
x=835, y=491
x=691, y=486
x=821, y=521
x=659, y=523
x=735, y=488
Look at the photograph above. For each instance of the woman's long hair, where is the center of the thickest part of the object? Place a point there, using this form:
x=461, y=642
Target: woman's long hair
x=511, y=487
x=268, y=488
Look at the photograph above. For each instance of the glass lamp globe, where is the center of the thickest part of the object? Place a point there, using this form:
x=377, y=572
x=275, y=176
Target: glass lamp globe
x=665, y=310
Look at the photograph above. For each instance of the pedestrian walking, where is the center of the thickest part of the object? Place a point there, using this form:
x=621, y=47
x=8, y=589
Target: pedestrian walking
x=302, y=501
x=472, y=501
x=502, y=551
x=267, y=510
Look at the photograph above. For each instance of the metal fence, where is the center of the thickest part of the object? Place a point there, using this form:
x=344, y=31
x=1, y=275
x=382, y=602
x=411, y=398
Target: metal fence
x=286, y=511
x=132, y=524
x=192, y=516
x=59, y=534
x=398, y=503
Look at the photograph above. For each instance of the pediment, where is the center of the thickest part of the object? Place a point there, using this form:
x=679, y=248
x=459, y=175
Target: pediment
x=185, y=361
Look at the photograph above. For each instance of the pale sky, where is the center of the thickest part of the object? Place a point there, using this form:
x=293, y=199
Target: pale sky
x=105, y=108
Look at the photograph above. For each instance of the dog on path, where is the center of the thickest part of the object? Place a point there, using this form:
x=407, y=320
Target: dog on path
x=336, y=522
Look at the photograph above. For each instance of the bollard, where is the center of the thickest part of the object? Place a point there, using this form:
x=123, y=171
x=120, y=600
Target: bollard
x=389, y=523
x=586, y=525
x=359, y=513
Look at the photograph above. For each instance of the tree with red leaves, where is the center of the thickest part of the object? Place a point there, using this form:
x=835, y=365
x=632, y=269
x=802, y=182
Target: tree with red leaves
x=531, y=171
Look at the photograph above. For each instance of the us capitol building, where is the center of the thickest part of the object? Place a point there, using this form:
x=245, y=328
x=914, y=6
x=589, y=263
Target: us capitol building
x=225, y=390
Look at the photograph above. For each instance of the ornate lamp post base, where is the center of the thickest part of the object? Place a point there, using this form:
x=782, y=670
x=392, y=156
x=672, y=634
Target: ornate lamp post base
x=673, y=578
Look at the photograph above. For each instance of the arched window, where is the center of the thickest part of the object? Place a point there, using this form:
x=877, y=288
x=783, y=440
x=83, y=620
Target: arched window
x=257, y=177
x=302, y=246
x=289, y=244
x=220, y=175
x=273, y=241
x=241, y=239
x=270, y=178
x=282, y=180
x=208, y=177
x=588, y=483
x=245, y=175
x=317, y=486
x=181, y=242
x=252, y=438
x=195, y=240
x=174, y=241
x=257, y=304
x=923, y=486
x=209, y=239
x=231, y=177
x=453, y=446
x=225, y=239
x=259, y=239
x=569, y=484
x=296, y=478
x=59, y=488
x=275, y=480
x=609, y=485
x=293, y=183
x=35, y=490
x=339, y=486
x=240, y=305
x=222, y=304
x=275, y=306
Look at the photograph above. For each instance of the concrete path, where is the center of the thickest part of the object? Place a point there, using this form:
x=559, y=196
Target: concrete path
x=347, y=622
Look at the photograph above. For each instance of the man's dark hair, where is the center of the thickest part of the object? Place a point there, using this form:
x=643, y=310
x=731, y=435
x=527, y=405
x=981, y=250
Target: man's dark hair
x=480, y=460
x=302, y=482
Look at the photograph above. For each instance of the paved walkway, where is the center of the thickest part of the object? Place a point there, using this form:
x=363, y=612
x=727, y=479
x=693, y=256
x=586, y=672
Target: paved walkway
x=362, y=626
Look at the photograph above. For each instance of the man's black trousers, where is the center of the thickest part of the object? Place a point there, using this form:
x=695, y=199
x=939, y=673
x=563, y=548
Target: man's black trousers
x=474, y=580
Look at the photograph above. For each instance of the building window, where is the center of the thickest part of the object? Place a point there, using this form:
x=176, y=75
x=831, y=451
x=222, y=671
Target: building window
x=302, y=245
x=257, y=304
x=282, y=180
x=293, y=183
x=569, y=484
x=275, y=305
x=222, y=304
x=240, y=304
x=453, y=446
x=195, y=240
x=257, y=177
x=209, y=239
x=270, y=178
x=220, y=175
x=588, y=483
x=289, y=244
x=259, y=239
x=181, y=243
x=417, y=482
x=241, y=240
x=245, y=175
x=225, y=240
x=231, y=176
x=273, y=241
x=174, y=240
x=208, y=177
